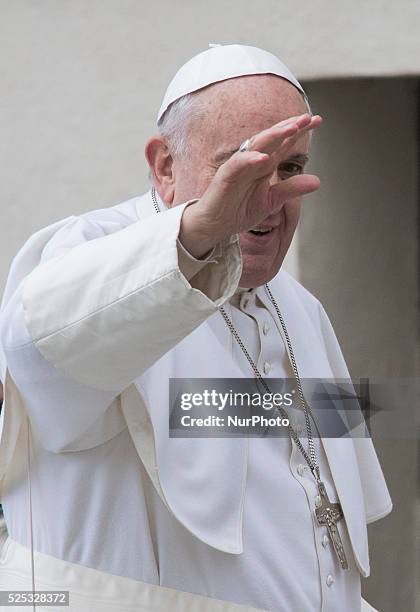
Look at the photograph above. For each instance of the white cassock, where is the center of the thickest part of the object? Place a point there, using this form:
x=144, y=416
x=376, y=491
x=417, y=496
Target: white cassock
x=91, y=337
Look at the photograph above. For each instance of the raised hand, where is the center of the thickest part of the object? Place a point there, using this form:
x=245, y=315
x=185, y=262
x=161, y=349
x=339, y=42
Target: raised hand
x=228, y=206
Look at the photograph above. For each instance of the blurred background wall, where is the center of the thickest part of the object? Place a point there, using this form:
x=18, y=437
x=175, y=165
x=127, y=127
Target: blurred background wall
x=80, y=85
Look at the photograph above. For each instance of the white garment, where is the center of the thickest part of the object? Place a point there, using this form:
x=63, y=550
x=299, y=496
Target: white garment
x=91, y=590
x=282, y=566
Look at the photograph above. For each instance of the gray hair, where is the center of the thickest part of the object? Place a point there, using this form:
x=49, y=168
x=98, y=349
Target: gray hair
x=174, y=123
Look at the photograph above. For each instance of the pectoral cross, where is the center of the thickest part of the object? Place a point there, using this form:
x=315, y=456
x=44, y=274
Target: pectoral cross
x=328, y=514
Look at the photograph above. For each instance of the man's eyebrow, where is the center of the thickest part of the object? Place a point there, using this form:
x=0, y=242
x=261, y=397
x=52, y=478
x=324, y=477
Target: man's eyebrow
x=303, y=158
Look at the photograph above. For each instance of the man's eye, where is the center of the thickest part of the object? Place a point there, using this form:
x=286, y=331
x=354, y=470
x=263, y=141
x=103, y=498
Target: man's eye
x=289, y=169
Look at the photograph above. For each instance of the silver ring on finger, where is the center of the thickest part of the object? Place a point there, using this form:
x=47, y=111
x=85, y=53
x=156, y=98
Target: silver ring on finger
x=244, y=146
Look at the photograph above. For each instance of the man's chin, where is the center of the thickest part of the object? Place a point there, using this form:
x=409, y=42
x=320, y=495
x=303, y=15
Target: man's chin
x=259, y=267
x=256, y=278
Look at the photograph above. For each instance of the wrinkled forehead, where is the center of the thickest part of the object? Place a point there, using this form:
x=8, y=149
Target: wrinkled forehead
x=246, y=105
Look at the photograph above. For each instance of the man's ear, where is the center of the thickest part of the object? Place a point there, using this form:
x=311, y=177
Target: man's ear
x=161, y=167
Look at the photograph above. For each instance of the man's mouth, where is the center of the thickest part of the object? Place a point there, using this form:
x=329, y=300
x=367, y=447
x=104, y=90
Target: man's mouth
x=262, y=237
x=260, y=231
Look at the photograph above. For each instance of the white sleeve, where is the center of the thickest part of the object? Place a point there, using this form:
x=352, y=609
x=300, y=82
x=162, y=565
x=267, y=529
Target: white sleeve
x=101, y=309
x=61, y=409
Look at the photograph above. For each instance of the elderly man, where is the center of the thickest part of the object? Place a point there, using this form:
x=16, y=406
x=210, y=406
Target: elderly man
x=101, y=310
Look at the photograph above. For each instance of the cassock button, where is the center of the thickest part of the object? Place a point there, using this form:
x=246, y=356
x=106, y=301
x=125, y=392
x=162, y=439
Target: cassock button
x=266, y=328
x=325, y=541
x=267, y=367
x=330, y=580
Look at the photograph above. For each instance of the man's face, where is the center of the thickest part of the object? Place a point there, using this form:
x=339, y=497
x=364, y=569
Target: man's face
x=234, y=110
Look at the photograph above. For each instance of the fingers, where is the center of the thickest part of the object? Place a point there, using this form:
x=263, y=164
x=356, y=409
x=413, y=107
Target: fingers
x=271, y=139
x=290, y=140
x=264, y=140
x=266, y=147
x=247, y=166
x=293, y=187
x=279, y=144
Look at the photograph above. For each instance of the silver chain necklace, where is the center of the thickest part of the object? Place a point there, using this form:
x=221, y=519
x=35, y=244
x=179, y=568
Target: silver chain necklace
x=310, y=455
x=327, y=513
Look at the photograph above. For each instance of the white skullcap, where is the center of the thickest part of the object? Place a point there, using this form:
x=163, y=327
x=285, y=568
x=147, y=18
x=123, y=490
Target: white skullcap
x=222, y=62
